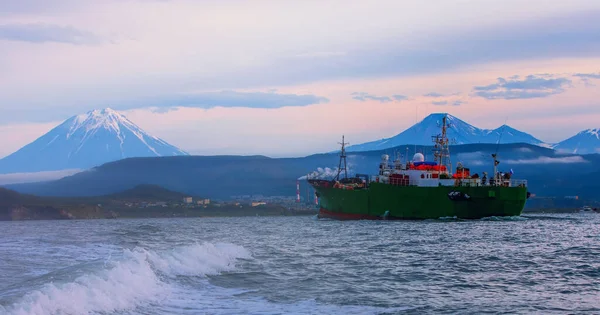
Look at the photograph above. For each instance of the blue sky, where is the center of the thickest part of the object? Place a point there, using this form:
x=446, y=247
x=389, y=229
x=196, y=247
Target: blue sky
x=182, y=69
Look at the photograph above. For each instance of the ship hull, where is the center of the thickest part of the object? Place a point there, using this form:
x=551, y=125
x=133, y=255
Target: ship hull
x=384, y=201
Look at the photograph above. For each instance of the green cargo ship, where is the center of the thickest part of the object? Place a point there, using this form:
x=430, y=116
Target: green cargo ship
x=417, y=189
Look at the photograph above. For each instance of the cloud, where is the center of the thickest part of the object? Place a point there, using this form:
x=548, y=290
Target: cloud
x=261, y=47
x=238, y=99
x=588, y=75
x=525, y=150
x=400, y=98
x=164, y=103
x=532, y=86
x=19, y=178
x=437, y=95
x=43, y=33
x=550, y=160
x=30, y=7
x=433, y=94
x=162, y=110
x=587, y=78
x=473, y=158
x=362, y=96
x=559, y=151
x=529, y=39
x=450, y=99
x=223, y=99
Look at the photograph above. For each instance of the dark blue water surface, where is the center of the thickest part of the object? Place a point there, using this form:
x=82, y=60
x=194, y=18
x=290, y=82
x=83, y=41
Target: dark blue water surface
x=300, y=265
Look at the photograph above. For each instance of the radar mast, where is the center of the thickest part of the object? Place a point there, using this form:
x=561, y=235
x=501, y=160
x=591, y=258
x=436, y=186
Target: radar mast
x=441, y=149
x=342, y=159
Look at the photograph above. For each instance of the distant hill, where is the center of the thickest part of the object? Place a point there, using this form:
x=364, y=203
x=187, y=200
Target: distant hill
x=141, y=201
x=8, y=196
x=149, y=193
x=221, y=177
x=459, y=131
x=16, y=206
x=585, y=142
x=84, y=141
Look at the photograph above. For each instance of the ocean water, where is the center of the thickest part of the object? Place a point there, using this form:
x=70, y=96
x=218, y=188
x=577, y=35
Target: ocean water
x=301, y=265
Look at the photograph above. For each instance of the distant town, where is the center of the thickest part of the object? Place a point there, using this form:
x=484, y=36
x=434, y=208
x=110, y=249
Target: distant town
x=241, y=201
x=146, y=201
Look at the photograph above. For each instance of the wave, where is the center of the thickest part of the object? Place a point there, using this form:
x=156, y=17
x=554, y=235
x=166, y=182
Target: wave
x=144, y=281
x=138, y=278
x=507, y=218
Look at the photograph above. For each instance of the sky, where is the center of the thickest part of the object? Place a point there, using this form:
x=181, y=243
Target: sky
x=288, y=78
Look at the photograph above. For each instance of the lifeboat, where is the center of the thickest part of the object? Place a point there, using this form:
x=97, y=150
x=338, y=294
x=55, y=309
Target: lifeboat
x=462, y=172
x=427, y=166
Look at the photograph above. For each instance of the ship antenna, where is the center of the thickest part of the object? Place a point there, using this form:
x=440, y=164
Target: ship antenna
x=416, y=122
x=342, y=158
x=495, y=154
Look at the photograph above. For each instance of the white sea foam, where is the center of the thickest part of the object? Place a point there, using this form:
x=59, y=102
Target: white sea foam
x=139, y=278
x=205, y=259
x=508, y=218
x=146, y=282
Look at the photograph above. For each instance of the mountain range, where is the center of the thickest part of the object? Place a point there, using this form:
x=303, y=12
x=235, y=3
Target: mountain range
x=85, y=141
x=459, y=132
x=101, y=136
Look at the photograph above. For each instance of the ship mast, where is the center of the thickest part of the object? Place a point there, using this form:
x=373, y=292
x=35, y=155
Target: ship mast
x=496, y=162
x=441, y=149
x=342, y=158
x=495, y=156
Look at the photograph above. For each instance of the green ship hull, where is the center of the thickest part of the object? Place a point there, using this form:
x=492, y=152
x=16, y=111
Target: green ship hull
x=383, y=201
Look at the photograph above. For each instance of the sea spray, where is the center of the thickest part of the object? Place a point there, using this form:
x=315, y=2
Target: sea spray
x=198, y=259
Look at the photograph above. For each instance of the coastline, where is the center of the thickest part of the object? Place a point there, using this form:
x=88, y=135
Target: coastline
x=83, y=212
x=95, y=213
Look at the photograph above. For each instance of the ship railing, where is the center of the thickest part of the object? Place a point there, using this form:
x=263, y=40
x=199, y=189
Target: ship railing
x=473, y=182
x=518, y=183
x=395, y=181
x=507, y=183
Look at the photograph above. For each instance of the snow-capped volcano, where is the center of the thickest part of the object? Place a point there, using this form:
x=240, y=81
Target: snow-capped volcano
x=459, y=132
x=585, y=142
x=87, y=140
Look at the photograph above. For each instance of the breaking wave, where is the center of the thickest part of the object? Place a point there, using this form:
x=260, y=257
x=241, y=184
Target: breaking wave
x=140, y=277
x=158, y=282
